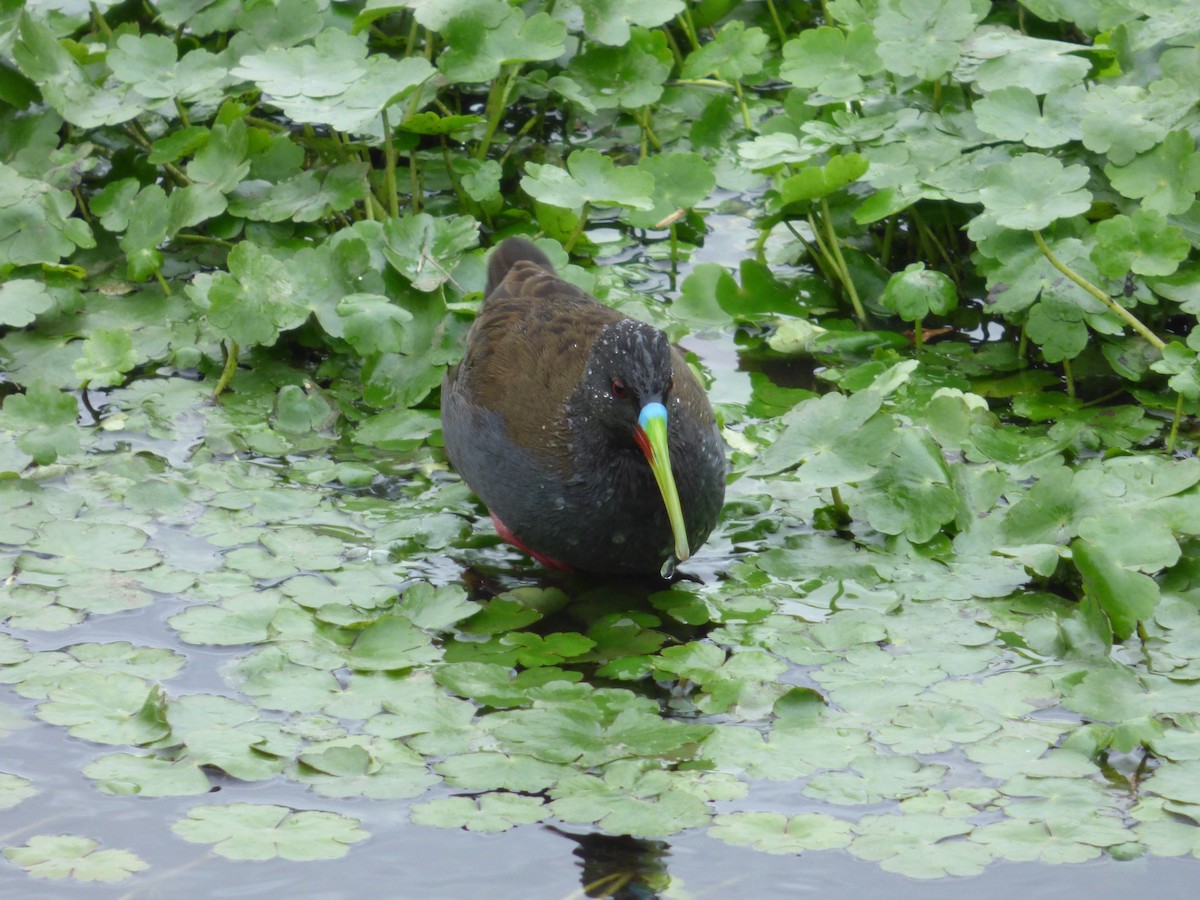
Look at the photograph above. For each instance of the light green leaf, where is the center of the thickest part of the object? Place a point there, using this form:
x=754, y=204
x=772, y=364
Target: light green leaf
x=260, y=831
x=70, y=856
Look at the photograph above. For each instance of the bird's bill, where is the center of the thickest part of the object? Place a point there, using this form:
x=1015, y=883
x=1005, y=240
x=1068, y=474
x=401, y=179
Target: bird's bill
x=651, y=435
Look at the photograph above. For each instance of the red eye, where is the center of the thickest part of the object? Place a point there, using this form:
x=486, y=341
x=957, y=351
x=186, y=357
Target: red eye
x=618, y=389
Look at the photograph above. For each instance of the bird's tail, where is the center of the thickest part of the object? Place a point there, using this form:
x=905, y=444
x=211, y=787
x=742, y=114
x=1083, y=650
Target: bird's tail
x=509, y=253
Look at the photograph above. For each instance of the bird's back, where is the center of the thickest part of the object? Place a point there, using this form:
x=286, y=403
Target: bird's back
x=528, y=347
x=507, y=255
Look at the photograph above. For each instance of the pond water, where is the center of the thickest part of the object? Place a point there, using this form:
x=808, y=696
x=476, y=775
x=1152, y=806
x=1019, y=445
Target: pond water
x=260, y=578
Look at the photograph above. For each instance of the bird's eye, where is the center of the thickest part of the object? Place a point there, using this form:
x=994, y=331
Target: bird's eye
x=618, y=389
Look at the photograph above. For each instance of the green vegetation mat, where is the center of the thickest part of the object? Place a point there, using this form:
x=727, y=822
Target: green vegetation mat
x=952, y=610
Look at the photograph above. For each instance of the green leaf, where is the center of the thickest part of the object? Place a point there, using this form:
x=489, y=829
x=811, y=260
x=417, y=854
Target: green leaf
x=492, y=813
x=254, y=301
x=1032, y=191
x=681, y=180
x=45, y=419
x=913, y=492
x=301, y=412
x=923, y=37
x=1013, y=113
x=426, y=250
x=590, y=178
x=1165, y=179
x=775, y=833
x=149, y=64
x=608, y=21
x=916, y=845
x=260, y=831
x=1123, y=120
x=1058, y=328
x=733, y=54
x=306, y=197
x=491, y=36
x=1127, y=597
x=436, y=608
x=1144, y=244
x=374, y=324
x=14, y=789
x=627, y=800
x=333, y=81
x=391, y=642
x=64, y=84
x=22, y=300
x=831, y=61
x=108, y=709
x=107, y=357
x=70, y=856
x=918, y=292
x=35, y=221
x=1182, y=364
x=838, y=439
x=814, y=182
x=147, y=776
x=1006, y=58
x=624, y=77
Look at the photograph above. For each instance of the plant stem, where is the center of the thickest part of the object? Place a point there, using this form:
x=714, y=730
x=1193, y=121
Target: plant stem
x=455, y=183
x=648, y=134
x=583, y=214
x=99, y=22
x=704, y=82
x=231, y=361
x=815, y=253
x=778, y=23
x=841, y=262
x=389, y=171
x=525, y=129
x=674, y=255
x=839, y=504
x=79, y=201
x=737, y=88
x=1175, y=423
x=1069, y=378
x=889, y=232
x=927, y=234
x=162, y=282
x=204, y=239
x=414, y=181
x=138, y=133
x=685, y=22
x=1130, y=319
x=412, y=37
x=497, y=103
x=675, y=51
x=918, y=336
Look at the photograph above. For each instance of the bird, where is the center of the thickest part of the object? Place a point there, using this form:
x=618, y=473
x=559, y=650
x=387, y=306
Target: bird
x=583, y=431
